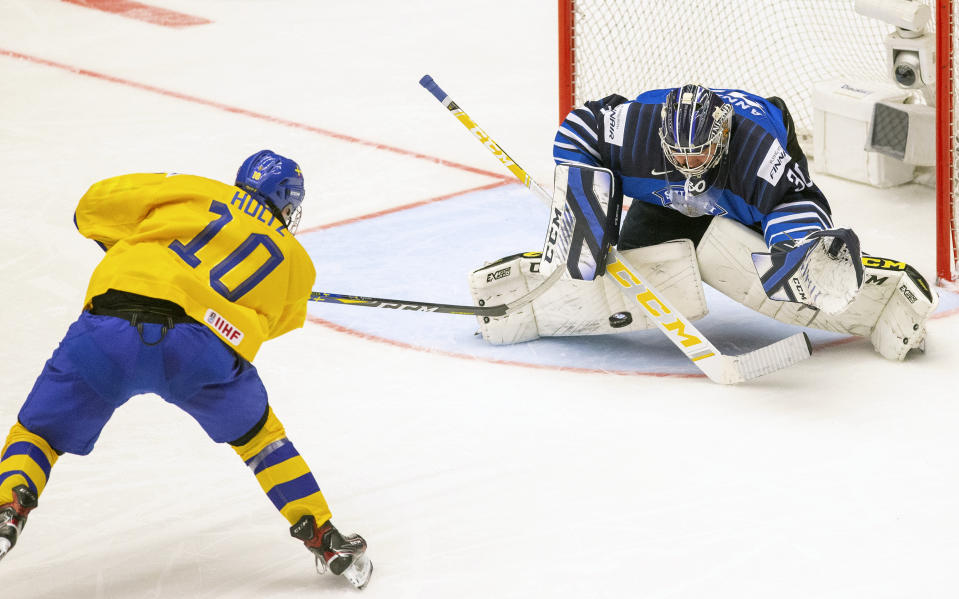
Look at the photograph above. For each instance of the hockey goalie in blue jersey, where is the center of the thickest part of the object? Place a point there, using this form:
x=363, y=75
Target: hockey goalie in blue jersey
x=197, y=274
x=720, y=193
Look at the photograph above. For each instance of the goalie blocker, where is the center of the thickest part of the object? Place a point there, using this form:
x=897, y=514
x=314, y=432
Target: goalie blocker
x=891, y=309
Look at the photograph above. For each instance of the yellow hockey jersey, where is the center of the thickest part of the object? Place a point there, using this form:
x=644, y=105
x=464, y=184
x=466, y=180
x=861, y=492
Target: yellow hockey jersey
x=205, y=245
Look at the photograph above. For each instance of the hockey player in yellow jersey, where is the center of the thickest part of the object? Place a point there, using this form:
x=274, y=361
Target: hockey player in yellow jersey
x=197, y=275
x=225, y=264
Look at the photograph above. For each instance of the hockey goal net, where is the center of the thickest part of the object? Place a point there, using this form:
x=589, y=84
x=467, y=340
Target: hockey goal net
x=769, y=47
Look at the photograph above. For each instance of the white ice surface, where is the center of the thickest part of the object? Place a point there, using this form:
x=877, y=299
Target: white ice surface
x=469, y=478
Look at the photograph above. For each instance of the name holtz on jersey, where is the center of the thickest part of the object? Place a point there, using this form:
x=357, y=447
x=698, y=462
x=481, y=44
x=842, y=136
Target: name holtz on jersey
x=253, y=208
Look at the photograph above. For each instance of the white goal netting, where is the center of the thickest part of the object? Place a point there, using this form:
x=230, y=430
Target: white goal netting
x=769, y=47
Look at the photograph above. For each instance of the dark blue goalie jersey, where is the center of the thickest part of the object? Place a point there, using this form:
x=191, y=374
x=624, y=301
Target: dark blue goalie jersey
x=758, y=182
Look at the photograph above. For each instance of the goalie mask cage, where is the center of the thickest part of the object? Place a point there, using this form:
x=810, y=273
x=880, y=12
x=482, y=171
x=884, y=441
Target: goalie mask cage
x=769, y=47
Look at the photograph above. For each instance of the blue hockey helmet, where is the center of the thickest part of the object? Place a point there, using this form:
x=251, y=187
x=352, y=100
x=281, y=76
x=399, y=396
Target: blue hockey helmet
x=276, y=181
x=695, y=127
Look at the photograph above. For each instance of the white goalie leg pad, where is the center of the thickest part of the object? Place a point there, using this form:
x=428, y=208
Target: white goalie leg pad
x=575, y=307
x=725, y=263
x=901, y=326
x=598, y=307
x=881, y=311
x=501, y=282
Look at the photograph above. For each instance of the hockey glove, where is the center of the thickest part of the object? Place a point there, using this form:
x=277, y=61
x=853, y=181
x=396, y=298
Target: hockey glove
x=822, y=270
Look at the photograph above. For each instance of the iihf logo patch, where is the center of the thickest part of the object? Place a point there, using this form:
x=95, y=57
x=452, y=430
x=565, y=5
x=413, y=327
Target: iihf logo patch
x=223, y=327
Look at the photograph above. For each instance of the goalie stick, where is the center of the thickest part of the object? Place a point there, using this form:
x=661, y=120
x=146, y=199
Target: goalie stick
x=495, y=310
x=718, y=367
x=427, y=82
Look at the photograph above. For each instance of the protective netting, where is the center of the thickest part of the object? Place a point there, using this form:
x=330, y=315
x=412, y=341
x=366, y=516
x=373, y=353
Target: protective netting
x=769, y=47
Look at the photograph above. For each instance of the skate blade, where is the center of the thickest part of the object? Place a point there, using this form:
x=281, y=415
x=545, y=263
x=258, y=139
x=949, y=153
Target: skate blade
x=359, y=572
x=5, y=546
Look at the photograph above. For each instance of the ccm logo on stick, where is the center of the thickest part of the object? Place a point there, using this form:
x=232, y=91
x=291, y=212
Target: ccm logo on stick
x=655, y=307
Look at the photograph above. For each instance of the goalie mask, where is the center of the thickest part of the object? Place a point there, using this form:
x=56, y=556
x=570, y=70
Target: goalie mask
x=694, y=131
x=276, y=181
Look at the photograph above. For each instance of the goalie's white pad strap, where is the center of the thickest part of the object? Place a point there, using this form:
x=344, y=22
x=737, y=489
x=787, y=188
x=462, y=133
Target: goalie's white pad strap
x=573, y=307
x=878, y=312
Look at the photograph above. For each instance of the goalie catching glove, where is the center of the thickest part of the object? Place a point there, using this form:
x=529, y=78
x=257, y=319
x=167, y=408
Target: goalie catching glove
x=823, y=270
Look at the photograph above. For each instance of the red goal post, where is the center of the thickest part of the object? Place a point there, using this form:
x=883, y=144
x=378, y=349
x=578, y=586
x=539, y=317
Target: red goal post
x=771, y=47
x=947, y=187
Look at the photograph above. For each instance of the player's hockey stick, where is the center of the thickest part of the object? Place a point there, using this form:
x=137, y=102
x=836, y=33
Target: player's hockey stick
x=392, y=304
x=714, y=364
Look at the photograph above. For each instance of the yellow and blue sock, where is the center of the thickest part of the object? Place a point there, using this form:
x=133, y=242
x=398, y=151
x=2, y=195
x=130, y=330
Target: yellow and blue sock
x=26, y=459
x=283, y=473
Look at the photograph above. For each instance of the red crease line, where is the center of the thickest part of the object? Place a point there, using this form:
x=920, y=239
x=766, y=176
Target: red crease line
x=404, y=207
x=342, y=329
x=143, y=12
x=255, y=115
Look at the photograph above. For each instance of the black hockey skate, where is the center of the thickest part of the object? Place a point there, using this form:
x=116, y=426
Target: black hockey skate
x=334, y=552
x=13, y=517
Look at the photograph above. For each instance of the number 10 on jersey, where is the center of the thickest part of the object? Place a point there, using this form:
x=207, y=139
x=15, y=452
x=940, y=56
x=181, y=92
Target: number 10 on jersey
x=187, y=252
